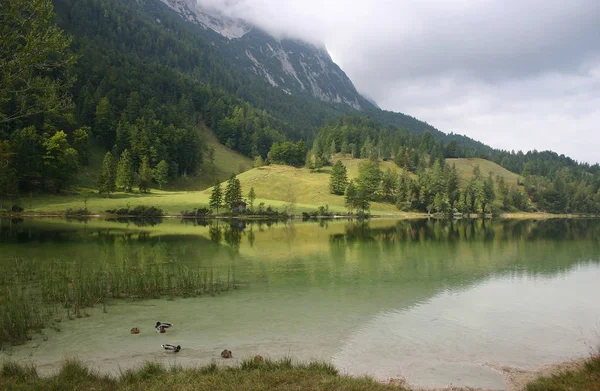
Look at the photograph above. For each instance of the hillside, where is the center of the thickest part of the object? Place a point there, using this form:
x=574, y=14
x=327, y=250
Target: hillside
x=275, y=185
x=466, y=166
x=226, y=162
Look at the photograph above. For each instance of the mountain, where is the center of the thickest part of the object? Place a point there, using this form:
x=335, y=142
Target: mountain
x=294, y=66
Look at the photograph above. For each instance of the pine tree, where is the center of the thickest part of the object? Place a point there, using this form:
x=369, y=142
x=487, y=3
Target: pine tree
x=161, y=173
x=145, y=176
x=338, y=181
x=233, y=193
x=251, y=198
x=106, y=182
x=350, y=196
x=388, y=185
x=399, y=158
x=125, y=178
x=332, y=149
x=216, y=198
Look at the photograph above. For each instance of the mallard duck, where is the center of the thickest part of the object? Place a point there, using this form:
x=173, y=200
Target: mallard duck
x=135, y=330
x=162, y=327
x=171, y=348
x=226, y=354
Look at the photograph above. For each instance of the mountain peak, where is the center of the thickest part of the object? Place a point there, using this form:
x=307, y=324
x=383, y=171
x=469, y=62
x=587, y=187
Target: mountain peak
x=292, y=65
x=209, y=19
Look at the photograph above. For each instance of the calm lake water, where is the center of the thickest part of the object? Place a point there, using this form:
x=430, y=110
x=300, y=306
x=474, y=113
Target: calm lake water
x=436, y=302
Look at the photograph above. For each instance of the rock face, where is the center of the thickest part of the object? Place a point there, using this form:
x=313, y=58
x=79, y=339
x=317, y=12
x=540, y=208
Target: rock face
x=294, y=66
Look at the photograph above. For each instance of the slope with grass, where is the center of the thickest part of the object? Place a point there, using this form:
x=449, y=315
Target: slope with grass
x=465, y=167
x=275, y=185
x=226, y=162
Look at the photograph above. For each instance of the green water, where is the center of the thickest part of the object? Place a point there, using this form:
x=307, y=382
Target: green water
x=436, y=302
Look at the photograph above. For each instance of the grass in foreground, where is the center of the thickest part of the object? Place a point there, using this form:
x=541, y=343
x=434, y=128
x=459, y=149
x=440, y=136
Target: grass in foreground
x=249, y=375
x=586, y=378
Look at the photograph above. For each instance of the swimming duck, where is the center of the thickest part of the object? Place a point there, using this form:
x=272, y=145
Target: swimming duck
x=226, y=354
x=171, y=348
x=135, y=330
x=162, y=327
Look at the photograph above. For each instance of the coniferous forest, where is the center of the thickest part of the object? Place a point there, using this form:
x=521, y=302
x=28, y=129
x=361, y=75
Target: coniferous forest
x=132, y=79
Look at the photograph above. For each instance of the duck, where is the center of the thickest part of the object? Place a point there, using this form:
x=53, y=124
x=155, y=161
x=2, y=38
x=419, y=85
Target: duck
x=171, y=348
x=135, y=330
x=226, y=354
x=162, y=327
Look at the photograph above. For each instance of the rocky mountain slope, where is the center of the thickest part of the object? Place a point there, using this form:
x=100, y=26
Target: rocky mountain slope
x=293, y=66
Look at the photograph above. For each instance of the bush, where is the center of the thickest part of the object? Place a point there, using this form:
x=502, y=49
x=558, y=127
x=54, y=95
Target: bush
x=77, y=212
x=321, y=212
x=200, y=213
x=17, y=208
x=138, y=211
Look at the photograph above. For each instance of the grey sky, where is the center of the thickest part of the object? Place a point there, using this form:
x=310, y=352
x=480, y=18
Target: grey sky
x=513, y=74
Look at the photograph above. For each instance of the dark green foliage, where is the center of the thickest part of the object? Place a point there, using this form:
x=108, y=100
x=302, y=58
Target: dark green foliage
x=216, y=197
x=145, y=176
x=106, y=182
x=138, y=211
x=338, y=181
x=292, y=154
x=350, y=196
x=233, y=194
x=125, y=175
x=321, y=212
x=161, y=173
x=251, y=198
x=369, y=180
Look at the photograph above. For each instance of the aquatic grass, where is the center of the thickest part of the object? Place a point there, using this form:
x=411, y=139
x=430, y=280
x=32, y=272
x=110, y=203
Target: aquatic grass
x=18, y=372
x=280, y=375
x=34, y=295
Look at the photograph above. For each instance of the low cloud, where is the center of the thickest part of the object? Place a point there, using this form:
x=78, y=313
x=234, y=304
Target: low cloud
x=513, y=74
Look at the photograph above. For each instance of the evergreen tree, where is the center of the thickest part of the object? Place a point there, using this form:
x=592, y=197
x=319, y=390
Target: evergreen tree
x=251, y=198
x=216, y=198
x=369, y=179
x=350, y=196
x=8, y=174
x=399, y=158
x=161, y=173
x=233, y=193
x=81, y=143
x=338, y=181
x=104, y=123
x=389, y=182
x=332, y=149
x=125, y=174
x=145, y=175
x=362, y=199
x=489, y=195
x=106, y=182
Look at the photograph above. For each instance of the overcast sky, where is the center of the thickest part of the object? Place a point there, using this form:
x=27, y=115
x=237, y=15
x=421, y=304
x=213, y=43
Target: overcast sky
x=515, y=74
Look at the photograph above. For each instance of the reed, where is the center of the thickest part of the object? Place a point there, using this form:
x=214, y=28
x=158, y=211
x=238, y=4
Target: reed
x=35, y=295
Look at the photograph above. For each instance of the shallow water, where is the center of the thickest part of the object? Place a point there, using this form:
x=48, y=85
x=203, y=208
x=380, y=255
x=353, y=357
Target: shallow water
x=438, y=303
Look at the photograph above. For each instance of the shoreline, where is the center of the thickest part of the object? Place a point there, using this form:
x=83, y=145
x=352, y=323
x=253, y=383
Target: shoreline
x=402, y=216
x=515, y=378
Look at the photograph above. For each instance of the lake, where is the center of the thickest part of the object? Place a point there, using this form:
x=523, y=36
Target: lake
x=435, y=302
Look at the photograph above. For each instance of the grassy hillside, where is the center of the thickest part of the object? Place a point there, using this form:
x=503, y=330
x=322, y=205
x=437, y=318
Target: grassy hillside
x=275, y=185
x=227, y=161
x=465, y=170
x=308, y=189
